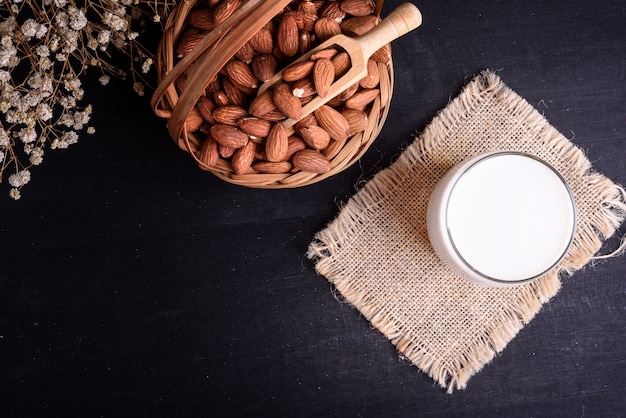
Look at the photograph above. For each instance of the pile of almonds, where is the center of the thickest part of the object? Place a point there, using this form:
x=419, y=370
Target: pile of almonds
x=242, y=129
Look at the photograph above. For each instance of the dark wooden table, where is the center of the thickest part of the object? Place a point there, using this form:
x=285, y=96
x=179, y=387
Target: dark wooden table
x=133, y=284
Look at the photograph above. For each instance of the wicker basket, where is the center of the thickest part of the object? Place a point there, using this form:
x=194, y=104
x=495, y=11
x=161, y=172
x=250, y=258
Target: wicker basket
x=209, y=57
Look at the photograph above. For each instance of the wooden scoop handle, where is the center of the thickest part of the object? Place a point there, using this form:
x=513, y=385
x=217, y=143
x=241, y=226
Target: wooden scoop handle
x=402, y=20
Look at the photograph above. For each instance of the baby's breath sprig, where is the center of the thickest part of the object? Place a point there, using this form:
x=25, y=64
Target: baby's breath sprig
x=46, y=46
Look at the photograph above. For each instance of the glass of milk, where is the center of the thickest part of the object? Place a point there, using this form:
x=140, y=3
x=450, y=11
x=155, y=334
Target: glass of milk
x=502, y=218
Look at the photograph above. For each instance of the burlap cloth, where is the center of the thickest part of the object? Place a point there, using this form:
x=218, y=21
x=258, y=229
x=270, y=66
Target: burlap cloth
x=378, y=256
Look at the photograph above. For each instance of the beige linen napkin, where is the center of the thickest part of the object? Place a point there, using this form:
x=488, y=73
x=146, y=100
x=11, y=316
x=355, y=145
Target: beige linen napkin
x=378, y=256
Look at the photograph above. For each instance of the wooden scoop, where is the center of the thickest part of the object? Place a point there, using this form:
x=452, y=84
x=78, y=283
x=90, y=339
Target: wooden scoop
x=402, y=20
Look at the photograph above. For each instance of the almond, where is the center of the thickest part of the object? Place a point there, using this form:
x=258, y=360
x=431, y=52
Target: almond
x=326, y=28
x=269, y=167
x=278, y=54
x=234, y=93
x=315, y=137
x=194, y=120
x=229, y=135
x=333, y=148
x=298, y=70
x=333, y=10
x=342, y=63
x=262, y=42
x=308, y=7
x=259, y=155
x=323, y=76
x=294, y=144
x=254, y=126
x=358, y=25
x=287, y=36
x=245, y=53
x=262, y=104
x=305, y=43
x=264, y=67
x=243, y=158
x=362, y=98
x=334, y=122
x=286, y=102
x=303, y=88
x=311, y=161
x=245, y=89
x=201, y=18
x=307, y=120
x=224, y=151
x=180, y=83
x=357, y=7
x=335, y=102
x=220, y=98
x=304, y=21
x=274, y=116
x=229, y=114
x=224, y=10
x=349, y=92
x=209, y=152
x=383, y=54
x=188, y=41
x=372, y=79
x=325, y=53
x=277, y=143
x=213, y=86
x=357, y=119
x=240, y=73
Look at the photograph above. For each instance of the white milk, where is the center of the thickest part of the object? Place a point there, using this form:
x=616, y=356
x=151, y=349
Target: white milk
x=509, y=217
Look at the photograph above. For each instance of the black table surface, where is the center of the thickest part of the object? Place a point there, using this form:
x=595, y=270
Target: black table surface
x=134, y=284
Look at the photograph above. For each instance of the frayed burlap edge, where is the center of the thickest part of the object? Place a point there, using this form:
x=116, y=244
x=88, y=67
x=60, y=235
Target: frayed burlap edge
x=374, y=193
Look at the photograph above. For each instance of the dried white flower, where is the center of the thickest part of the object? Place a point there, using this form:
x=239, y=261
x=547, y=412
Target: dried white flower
x=72, y=83
x=91, y=130
x=104, y=37
x=28, y=135
x=61, y=19
x=4, y=138
x=104, y=79
x=115, y=22
x=139, y=88
x=15, y=194
x=65, y=140
x=7, y=52
x=53, y=43
x=36, y=156
x=1, y=156
x=42, y=50
x=80, y=119
x=8, y=26
x=67, y=102
x=44, y=112
x=145, y=67
x=45, y=64
x=29, y=28
x=78, y=20
x=20, y=178
x=92, y=43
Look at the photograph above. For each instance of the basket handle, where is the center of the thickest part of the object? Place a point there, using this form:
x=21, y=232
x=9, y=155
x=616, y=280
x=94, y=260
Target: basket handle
x=209, y=64
x=174, y=25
